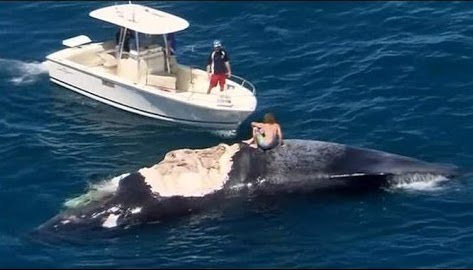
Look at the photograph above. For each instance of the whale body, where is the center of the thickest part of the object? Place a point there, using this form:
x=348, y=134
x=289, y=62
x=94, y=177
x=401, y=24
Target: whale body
x=191, y=180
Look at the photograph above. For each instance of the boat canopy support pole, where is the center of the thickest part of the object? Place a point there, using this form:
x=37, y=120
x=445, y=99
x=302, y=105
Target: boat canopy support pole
x=166, y=52
x=138, y=58
x=121, y=42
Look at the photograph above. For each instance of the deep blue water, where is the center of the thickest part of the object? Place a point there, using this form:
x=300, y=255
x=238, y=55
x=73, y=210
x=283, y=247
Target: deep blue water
x=393, y=76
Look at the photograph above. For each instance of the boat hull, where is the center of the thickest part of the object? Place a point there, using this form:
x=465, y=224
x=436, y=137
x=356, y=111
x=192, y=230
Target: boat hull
x=131, y=98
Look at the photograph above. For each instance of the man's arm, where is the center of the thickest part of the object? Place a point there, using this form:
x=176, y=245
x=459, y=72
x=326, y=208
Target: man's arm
x=229, y=70
x=227, y=64
x=209, y=62
x=256, y=124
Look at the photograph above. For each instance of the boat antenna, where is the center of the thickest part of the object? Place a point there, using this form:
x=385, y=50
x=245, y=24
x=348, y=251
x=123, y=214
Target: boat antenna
x=133, y=11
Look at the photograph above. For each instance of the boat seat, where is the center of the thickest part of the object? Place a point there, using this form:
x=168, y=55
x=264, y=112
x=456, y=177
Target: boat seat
x=129, y=69
x=108, y=60
x=162, y=80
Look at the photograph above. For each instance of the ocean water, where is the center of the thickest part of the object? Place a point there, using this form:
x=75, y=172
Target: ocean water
x=392, y=76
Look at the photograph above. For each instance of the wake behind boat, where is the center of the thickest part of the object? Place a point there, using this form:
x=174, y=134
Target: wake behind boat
x=139, y=74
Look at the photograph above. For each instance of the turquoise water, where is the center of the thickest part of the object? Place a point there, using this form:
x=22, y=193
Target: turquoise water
x=393, y=76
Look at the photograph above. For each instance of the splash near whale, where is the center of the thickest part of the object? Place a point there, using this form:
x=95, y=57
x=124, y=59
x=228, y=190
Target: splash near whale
x=191, y=180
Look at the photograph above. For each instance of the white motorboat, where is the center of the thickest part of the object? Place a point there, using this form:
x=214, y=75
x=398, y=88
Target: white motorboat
x=139, y=74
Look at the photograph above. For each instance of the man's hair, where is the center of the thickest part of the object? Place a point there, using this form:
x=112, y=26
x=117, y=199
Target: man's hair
x=269, y=118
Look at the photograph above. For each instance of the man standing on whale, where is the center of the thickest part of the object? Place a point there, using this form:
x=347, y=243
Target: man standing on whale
x=267, y=134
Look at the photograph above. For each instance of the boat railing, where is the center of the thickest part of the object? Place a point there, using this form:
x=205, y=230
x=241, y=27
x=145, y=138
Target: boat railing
x=234, y=78
x=243, y=82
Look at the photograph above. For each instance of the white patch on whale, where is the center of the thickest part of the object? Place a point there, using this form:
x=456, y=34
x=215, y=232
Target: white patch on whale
x=136, y=210
x=241, y=186
x=260, y=180
x=191, y=173
x=95, y=215
x=96, y=192
x=111, y=221
x=113, y=209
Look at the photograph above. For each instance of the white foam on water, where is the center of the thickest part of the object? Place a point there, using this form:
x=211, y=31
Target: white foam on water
x=96, y=192
x=417, y=182
x=226, y=134
x=22, y=73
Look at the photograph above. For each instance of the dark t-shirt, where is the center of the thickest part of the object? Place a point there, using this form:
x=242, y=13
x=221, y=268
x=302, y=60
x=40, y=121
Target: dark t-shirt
x=217, y=62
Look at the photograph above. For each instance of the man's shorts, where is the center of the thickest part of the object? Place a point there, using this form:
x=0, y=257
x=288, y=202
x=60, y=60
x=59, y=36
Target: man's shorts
x=217, y=79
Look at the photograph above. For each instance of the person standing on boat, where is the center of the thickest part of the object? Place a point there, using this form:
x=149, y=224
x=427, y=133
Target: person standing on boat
x=128, y=35
x=218, y=67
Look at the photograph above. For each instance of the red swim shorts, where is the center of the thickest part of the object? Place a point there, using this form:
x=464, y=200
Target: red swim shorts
x=218, y=78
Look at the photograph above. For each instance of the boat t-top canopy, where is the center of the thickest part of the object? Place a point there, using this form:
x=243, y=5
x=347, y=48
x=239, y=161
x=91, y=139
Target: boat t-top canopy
x=141, y=19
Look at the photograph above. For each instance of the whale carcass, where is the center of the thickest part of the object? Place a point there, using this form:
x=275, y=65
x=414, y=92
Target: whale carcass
x=190, y=180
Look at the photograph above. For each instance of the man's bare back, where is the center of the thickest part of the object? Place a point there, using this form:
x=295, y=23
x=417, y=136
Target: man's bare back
x=265, y=135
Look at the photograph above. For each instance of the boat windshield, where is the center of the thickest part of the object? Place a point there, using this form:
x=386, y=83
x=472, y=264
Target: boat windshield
x=149, y=41
x=127, y=39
